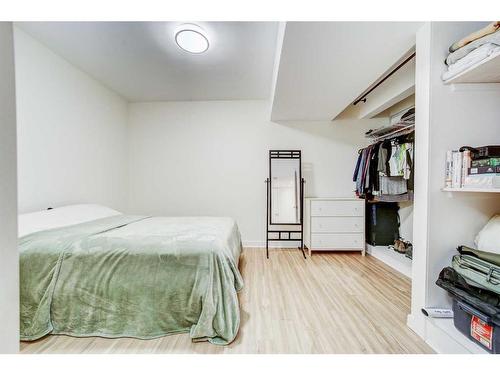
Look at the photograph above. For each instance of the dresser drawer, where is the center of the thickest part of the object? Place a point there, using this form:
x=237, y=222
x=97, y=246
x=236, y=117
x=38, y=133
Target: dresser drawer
x=337, y=208
x=337, y=224
x=337, y=241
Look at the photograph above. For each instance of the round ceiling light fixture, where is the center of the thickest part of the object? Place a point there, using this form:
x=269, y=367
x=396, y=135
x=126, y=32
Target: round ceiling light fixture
x=191, y=38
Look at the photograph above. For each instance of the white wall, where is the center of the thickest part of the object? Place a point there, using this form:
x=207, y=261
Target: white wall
x=9, y=260
x=211, y=158
x=71, y=133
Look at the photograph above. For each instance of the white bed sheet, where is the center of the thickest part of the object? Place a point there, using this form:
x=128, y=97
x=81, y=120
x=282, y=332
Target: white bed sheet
x=61, y=217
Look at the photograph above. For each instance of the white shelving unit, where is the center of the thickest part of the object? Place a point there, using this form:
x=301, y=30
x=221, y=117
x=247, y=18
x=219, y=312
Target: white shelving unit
x=486, y=71
x=471, y=190
x=447, y=118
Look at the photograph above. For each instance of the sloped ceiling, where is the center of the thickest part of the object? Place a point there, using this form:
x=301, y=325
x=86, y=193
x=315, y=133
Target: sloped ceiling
x=324, y=66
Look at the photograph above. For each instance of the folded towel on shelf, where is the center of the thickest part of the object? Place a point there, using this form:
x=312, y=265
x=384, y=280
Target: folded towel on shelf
x=465, y=50
x=489, y=29
x=474, y=57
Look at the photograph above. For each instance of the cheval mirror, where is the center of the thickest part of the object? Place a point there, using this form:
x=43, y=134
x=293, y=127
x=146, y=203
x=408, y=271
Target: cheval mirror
x=285, y=196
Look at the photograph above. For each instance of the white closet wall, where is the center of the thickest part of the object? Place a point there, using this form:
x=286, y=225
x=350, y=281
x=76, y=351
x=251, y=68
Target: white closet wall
x=9, y=260
x=448, y=117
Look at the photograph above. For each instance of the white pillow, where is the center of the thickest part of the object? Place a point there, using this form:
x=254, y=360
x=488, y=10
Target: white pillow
x=61, y=217
x=488, y=239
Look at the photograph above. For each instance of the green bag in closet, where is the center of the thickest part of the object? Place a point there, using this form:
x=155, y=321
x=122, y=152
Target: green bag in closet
x=478, y=272
x=484, y=255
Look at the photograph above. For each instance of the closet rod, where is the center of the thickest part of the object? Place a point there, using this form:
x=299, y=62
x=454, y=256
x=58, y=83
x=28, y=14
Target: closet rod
x=362, y=97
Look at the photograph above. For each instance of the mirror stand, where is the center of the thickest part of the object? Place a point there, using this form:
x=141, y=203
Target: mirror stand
x=285, y=198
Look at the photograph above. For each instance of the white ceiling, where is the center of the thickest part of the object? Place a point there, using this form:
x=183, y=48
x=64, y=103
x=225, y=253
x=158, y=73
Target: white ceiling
x=141, y=62
x=321, y=67
x=324, y=66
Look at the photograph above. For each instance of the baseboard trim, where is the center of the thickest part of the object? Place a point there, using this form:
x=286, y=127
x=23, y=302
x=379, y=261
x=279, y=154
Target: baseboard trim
x=416, y=324
x=394, y=260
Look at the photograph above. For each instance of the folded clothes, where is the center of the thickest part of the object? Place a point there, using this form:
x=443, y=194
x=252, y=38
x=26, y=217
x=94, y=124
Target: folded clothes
x=465, y=50
x=474, y=57
x=489, y=29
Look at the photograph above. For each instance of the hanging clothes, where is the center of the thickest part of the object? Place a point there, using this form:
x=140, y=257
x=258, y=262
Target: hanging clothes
x=366, y=177
x=411, y=179
x=356, y=169
x=407, y=161
x=385, y=169
x=361, y=171
x=397, y=161
x=384, y=153
x=373, y=170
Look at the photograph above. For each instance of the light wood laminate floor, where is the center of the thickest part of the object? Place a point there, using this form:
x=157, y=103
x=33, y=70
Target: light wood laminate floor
x=328, y=303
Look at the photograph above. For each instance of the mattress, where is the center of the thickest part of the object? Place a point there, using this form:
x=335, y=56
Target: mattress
x=62, y=216
x=132, y=276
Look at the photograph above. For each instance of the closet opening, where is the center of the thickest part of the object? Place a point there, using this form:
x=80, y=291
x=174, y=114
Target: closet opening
x=384, y=177
x=384, y=170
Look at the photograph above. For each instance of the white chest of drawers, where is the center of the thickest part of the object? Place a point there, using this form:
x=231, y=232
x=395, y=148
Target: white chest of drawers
x=334, y=224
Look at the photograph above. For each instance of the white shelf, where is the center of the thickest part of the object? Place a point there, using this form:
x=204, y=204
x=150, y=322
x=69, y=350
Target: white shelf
x=485, y=71
x=471, y=190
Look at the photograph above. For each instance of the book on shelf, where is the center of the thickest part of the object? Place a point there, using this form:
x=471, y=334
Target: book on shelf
x=461, y=171
x=482, y=170
x=448, y=178
x=466, y=161
x=482, y=181
x=488, y=162
x=456, y=169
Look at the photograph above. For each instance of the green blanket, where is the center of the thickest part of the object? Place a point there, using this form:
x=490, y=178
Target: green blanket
x=131, y=276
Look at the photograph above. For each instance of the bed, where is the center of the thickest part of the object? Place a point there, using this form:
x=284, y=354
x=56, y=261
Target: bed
x=87, y=270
